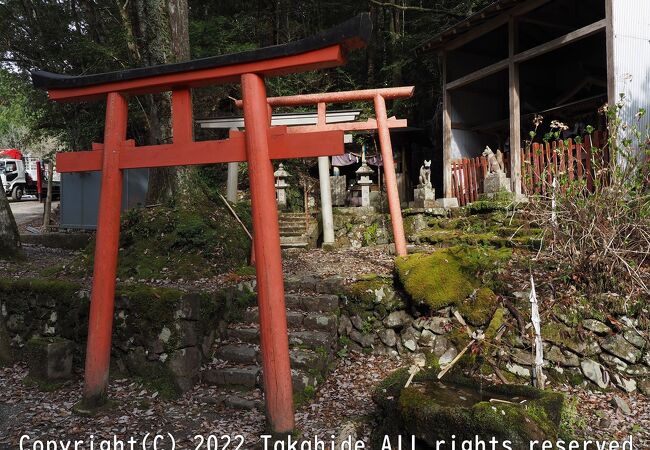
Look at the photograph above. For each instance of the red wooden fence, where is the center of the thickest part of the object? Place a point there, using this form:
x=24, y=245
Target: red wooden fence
x=568, y=161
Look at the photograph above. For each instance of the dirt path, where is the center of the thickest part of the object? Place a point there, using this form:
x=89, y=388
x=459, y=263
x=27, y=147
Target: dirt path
x=28, y=210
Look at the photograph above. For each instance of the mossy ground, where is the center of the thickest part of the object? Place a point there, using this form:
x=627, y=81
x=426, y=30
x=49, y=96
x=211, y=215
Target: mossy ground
x=478, y=226
x=176, y=242
x=479, y=308
x=447, y=276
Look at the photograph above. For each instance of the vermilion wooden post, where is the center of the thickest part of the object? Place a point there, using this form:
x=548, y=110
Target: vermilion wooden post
x=389, y=174
x=274, y=339
x=100, y=323
x=182, y=124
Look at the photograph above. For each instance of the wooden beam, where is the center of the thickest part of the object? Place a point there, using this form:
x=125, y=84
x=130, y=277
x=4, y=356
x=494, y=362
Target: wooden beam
x=529, y=54
x=478, y=75
x=561, y=41
x=493, y=24
x=545, y=24
x=281, y=146
x=182, y=124
x=515, y=112
x=370, y=124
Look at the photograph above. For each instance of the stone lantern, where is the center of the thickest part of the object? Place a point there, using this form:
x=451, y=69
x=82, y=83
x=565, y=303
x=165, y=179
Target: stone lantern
x=363, y=179
x=281, y=185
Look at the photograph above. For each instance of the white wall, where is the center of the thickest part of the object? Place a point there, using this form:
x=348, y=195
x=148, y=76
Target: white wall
x=473, y=107
x=631, y=56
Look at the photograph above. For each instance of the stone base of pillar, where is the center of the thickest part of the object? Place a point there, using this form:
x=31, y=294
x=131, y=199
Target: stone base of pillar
x=450, y=202
x=327, y=246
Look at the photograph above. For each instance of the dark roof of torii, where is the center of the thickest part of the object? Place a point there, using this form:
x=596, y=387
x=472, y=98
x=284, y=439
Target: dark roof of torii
x=461, y=27
x=351, y=34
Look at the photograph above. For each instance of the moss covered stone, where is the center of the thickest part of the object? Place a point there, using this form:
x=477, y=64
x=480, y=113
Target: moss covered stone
x=447, y=276
x=373, y=292
x=478, y=309
x=495, y=323
x=159, y=334
x=433, y=413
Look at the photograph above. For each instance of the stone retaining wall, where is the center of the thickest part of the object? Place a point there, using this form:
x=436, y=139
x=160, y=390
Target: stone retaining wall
x=605, y=352
x=160, y=334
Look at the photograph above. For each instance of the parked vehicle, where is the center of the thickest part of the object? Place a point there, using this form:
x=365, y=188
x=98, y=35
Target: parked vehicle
x=17, y=181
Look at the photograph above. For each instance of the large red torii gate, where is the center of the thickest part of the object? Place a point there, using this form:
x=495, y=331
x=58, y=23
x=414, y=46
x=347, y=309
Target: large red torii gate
x=258, y=145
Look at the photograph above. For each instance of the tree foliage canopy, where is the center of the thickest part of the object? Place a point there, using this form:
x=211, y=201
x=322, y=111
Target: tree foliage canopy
x=91, y=36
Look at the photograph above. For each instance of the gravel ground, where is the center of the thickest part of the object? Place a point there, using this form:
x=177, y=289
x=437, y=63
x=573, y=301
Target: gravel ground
x=345, y=262
x=345, y=396
x=315, y=262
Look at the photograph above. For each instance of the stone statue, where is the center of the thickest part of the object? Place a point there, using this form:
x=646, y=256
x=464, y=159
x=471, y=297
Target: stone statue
x=495, y=180
x=425, y=174
x=495, y=162
x=424, y=195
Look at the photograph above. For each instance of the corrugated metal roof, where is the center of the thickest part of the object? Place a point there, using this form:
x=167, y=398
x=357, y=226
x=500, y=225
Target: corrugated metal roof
x=458, y=29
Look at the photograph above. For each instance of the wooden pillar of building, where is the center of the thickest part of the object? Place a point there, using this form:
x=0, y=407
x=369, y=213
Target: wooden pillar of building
x=448, y=199
x=515, y=112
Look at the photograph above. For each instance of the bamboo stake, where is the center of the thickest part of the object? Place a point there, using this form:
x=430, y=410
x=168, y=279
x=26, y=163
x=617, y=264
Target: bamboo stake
x=232, y=211
x=539, y=377
x=477, y=336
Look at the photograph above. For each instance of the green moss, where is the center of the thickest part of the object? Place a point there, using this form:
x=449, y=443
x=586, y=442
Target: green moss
x=36, y=286
x=372, y=292
x=304, y=396
x=44, y=385
x=495, y=323
x=414, y=410
x=571, y=421
x=479, y=310
x=189, y=242
x=487, y=206
x=245, y=271
x=370, y=235
x=447, y=276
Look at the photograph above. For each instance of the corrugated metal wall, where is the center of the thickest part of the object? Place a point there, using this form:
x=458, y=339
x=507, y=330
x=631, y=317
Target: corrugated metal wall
x=80, y=196
x=631, y=46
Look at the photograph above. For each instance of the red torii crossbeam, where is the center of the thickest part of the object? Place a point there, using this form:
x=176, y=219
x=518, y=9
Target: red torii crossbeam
x=258, y=145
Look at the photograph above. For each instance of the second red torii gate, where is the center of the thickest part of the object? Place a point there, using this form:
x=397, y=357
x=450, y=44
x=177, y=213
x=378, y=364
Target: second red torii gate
x=258, y=145
x=382, y=123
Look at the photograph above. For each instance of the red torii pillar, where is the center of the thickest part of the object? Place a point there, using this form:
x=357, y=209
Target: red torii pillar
x=259, y=144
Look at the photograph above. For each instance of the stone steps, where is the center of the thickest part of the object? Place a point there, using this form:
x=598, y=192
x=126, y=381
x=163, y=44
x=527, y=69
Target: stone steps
x=299, y=320
x=292, y=233
x=251, y=377
x=309, y=339
x=249, y=354
x=294, y=229
x=312, y=320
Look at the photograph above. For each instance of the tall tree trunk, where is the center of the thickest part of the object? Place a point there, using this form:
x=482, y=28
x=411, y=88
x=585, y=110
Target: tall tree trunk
x=180, y=46
x=9, y=237
x=158, y=33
